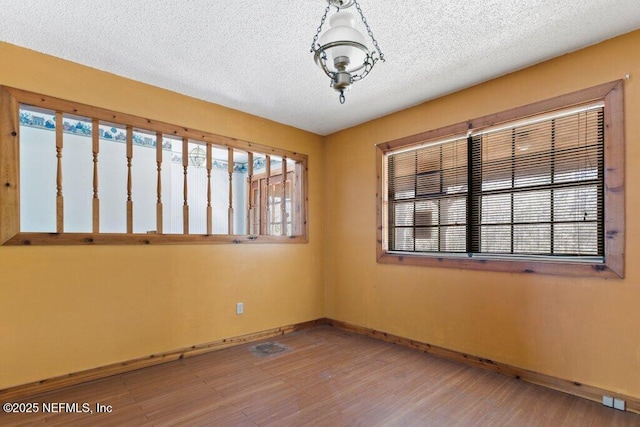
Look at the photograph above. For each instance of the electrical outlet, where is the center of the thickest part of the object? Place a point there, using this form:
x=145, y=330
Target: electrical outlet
x=619, y=404
x=239, y=308
x=607, y=401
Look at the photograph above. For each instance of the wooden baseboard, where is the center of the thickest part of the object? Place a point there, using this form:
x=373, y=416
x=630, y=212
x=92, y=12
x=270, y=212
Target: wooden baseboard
x=56, y=383
x=571, y=387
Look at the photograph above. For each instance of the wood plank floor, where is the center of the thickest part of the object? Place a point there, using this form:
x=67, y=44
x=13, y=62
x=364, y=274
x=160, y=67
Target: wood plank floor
x=326, y=376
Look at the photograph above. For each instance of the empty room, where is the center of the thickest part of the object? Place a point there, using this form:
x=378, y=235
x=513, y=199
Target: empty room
x=321, y=212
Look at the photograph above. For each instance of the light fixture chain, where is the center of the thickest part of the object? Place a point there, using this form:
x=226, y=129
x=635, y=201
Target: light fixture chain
x=364, y=20
x=315, y=38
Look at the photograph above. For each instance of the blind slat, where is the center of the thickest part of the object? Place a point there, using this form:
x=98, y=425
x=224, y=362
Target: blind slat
x=535, y=188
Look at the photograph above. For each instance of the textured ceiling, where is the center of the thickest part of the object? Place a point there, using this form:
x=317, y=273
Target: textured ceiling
x=254, y=55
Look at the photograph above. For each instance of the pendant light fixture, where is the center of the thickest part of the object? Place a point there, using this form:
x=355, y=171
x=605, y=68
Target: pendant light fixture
x=341, y=51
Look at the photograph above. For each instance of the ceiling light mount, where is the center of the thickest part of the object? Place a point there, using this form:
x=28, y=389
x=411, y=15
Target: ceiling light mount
x=341, y=52
x=341, y=4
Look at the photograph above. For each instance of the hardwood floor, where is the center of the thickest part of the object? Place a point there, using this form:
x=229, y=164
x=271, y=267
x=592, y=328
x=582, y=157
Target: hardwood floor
x=326, y=376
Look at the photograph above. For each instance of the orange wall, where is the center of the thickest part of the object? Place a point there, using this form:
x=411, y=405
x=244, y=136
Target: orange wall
x=66, y=309
x=585, y=330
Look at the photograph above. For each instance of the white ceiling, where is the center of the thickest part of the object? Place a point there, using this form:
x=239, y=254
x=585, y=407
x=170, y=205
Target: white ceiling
x=254, y=55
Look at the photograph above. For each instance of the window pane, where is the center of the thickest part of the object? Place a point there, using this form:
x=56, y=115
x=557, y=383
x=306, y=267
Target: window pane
x=37, y=170
x=495, y=239
x=173, y=204
x=453, y=239
x=537, y=175
x=274, y=198
x=404, y=213
x=403, y=240
x=220, y=191
x=77, y=174
x=455, y=180
x=275, y=192
x=258, y=195
x=144, y=189
x=533, y=145
x=421, y=185
x=170, y=175
x=576, y=239
x=403, y=169
x=428, y=184
x=288, y=207
x=293, y=197
x=112, y=178
x=532, y=206
x=580, y=175
x=532, y=239
x=240, y=174
x=497, y=165
x=426, y=239
x=495, y=180
x=496, y=209
x=453, y=211
x=530, y=174
x=579, y=145
x=576, y=204
x=197, y=187
x=427, y=212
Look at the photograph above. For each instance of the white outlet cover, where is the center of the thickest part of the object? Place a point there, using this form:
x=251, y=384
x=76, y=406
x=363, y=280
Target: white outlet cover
x=607, y=401
x=239, y=308
x=619, y=404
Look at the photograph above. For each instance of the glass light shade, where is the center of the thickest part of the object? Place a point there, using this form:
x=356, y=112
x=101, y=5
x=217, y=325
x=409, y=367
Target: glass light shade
x=342, y=29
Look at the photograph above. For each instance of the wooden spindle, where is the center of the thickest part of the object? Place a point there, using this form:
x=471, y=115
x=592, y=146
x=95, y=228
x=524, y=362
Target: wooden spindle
x=59, y=197
x=268, y=202
x=283, y=199
x=95, y=135
x=159, y=219
x=249, y=194
x=230, y=169
x=185, y=165
x=129, y=180
x=209, y=208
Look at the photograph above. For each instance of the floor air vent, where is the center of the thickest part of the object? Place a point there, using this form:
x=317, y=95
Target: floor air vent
x=268, y=349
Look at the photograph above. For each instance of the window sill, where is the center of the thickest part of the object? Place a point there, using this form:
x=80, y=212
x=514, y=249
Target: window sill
x=560, y=268
x=25, y=239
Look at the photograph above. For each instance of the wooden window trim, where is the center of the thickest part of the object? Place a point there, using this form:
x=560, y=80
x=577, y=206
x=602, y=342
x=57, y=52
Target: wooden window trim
x=10, y=234
x=276, y=176
x=613, y=267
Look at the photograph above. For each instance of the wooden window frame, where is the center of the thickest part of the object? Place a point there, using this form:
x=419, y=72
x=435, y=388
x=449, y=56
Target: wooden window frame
x=10, y=101
x=260, y=189
x=614, y=224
